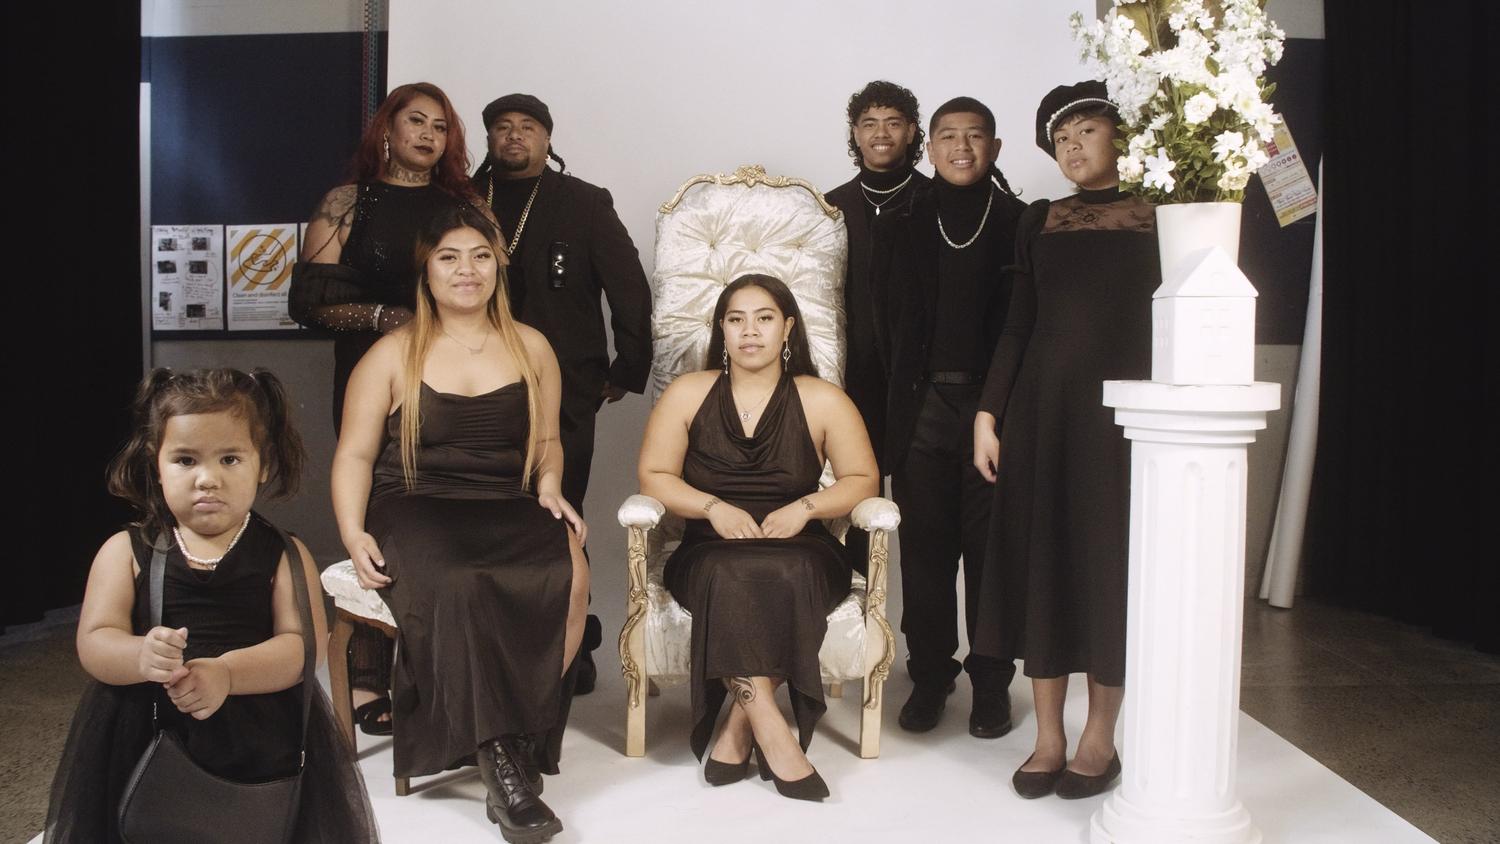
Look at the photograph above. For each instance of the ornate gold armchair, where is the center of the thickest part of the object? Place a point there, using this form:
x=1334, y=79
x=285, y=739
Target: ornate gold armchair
x=715, y=229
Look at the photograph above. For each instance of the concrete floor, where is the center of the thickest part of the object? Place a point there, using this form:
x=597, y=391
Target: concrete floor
x=1411, y=720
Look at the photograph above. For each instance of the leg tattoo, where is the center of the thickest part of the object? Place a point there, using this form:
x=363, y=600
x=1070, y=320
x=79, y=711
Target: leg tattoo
x=742, y=689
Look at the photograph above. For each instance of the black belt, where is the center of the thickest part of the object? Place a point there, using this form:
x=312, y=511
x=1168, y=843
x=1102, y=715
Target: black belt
x=955, y=377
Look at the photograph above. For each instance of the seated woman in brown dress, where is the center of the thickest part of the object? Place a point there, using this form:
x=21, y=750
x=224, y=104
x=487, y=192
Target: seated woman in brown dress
x=447, y=488
x=737, y=451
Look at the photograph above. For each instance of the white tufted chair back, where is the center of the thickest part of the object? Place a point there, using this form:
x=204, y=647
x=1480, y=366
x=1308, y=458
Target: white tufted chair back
x=718, y=228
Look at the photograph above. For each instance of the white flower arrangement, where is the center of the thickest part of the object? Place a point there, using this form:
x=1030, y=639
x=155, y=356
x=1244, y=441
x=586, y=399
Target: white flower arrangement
x=1189, y=79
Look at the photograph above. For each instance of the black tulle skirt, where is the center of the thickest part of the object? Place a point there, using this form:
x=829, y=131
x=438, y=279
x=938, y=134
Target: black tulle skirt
x=113, y=726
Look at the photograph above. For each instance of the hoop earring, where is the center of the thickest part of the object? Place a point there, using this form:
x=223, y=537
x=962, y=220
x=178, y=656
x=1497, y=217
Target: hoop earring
x=786, y=353
x=387, y=143
x=726, y=361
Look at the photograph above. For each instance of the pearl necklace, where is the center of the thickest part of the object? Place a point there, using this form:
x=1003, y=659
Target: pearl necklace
x=982, y=220
x=210, y=563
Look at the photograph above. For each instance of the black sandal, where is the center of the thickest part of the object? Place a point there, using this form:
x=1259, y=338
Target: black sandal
x=373, y=718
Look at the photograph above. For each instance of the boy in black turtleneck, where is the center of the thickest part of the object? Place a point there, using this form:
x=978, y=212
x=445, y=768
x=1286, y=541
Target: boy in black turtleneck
x=940, y=296
x=885, y=141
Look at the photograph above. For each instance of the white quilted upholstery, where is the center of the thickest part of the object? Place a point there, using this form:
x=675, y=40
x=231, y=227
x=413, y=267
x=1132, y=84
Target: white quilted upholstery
x=339, y=581
x=715, y=234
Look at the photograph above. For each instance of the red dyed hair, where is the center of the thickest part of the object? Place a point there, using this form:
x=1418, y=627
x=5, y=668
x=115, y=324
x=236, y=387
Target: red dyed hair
x=452, y=170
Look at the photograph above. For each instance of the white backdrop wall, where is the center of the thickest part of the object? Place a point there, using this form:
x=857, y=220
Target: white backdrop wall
x=648, y=94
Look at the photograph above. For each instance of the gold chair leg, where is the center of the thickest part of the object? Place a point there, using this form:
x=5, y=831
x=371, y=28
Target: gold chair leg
x=633, y=646
x=835, y=690
x=403, y=786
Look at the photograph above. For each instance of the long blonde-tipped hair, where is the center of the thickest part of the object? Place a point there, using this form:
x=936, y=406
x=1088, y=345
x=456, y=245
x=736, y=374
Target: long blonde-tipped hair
x=426, y=325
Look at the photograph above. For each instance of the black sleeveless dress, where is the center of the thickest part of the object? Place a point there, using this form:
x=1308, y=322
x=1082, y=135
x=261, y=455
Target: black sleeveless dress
x=250, y=738
x=760, y=606
x=481, y=578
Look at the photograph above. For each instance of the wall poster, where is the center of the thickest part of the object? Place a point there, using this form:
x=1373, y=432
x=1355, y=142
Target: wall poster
x=187, y=278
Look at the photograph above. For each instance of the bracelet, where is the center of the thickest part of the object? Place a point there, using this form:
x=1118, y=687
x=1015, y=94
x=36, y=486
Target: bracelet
x=375, y=319
x=709, y=504
x=807, y=504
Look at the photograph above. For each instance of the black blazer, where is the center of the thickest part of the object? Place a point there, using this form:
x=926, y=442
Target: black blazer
x=903, y=273
x=864, y=375
x=600, y=258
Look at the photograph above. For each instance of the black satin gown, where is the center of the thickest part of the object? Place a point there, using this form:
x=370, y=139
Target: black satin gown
x=250, y=738
x=760, y=606
x=481, y=578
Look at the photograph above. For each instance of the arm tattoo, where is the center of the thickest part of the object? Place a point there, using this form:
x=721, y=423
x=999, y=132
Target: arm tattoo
x=742, y=689
x=336, y=206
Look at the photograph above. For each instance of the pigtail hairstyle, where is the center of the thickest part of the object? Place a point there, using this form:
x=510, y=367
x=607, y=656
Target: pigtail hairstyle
x=282, y=454
x=258, y=398
x=132, y=472
x=426, y=325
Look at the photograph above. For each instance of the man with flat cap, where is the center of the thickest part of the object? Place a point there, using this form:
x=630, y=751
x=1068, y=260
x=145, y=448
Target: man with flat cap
x=566, y=246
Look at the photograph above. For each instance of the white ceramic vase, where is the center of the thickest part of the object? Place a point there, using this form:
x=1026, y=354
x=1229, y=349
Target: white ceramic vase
x=1185, y=230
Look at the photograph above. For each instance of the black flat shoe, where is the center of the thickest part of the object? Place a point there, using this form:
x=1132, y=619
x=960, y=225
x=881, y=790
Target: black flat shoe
x=718, y=773
x=374, y=717
x=924, y=708
x=511, y=803
x=1034, y=784
x=810, y=787
x=1075, y=786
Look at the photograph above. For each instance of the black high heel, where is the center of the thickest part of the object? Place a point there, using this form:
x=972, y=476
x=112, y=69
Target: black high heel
x=718, y=773
x=810, y=787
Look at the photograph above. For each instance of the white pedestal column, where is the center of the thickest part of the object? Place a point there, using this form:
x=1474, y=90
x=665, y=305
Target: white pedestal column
x=1187, y=576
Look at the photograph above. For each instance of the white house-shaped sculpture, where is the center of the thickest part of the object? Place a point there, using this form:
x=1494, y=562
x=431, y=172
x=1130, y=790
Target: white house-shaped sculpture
x=1203, y=325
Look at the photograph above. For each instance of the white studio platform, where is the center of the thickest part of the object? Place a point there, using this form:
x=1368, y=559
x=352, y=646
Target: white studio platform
x=937, y=787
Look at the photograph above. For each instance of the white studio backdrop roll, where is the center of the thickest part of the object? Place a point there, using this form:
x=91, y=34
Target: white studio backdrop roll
x=647, y=94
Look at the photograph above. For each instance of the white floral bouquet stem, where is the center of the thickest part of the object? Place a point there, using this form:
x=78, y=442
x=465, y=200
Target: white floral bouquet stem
x=1189, y=79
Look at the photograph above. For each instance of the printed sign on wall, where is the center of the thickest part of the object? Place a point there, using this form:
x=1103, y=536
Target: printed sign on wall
x=260, y=262
x=187, y=278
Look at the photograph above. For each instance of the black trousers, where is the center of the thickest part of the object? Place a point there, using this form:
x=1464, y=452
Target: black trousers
x=577, y=437
x=945, y=516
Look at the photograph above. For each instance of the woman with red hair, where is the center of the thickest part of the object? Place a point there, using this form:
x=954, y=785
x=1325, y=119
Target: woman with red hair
x=358, y=279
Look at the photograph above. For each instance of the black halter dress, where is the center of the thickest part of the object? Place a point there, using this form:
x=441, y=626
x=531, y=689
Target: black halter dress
x=759, y=606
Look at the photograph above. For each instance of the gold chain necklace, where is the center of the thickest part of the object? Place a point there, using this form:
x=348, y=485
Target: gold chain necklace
x=510, y=245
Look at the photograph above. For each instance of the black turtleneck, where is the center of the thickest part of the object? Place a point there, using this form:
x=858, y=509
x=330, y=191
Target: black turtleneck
x=1101, y=196
x=510, y=199
x=871, y=182
x=971, y=293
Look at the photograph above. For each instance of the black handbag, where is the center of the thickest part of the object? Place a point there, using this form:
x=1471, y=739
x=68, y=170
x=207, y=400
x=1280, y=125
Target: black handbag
x=170, y=799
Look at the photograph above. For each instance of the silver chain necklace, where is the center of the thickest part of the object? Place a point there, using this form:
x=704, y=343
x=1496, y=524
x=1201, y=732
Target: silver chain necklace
x=210, y=563
x=982, y=220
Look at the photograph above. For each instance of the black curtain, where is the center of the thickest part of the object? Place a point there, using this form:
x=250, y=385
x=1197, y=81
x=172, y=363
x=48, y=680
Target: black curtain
x=72, y=325
x=1403, y=507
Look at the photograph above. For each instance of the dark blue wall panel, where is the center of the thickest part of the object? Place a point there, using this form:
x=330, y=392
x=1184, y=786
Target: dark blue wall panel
x=250, y=128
